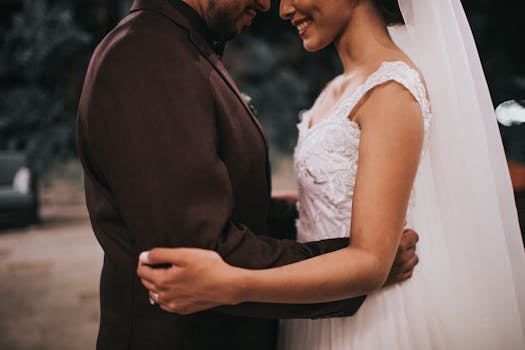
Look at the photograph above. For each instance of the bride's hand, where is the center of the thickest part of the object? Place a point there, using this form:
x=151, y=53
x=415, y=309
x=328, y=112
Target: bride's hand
x=195, y=279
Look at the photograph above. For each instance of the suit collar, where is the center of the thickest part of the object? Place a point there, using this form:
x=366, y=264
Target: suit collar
x=164, y=8
x=198, y=24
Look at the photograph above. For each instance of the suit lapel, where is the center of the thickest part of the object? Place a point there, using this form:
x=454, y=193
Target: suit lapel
x=215, y=61
x=164, y=8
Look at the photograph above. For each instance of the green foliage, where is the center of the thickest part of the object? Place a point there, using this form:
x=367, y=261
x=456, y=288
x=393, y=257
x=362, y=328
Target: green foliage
x=39, y=86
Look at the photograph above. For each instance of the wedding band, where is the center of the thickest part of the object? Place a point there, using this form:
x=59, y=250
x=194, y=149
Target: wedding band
x=155, y=299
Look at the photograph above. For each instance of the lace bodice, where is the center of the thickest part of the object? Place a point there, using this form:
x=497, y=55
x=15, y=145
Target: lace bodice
x=326, y=156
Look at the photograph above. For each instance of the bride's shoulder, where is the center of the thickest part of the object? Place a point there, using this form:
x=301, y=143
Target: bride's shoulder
x=397, y=84
x=392, y=106
x=399, y=69
x=409, y=69
x=408, y=76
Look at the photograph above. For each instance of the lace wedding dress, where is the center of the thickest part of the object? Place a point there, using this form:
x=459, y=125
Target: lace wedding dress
x=326, y=160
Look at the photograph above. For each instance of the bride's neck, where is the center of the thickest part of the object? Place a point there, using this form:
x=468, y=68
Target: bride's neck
x=365, y=41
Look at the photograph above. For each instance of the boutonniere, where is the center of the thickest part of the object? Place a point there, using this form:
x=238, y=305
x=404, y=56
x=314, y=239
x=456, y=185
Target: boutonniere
x=248, y=99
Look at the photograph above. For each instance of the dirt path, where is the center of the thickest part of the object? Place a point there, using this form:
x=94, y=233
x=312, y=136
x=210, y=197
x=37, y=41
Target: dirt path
x=49, y=273
x=49, y=283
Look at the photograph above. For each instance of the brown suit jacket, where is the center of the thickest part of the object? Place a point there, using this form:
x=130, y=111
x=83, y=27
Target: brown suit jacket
x=174, y=157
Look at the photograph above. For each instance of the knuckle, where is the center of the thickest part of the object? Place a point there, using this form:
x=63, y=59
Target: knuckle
x=184, y=311
x=416, y=260
x=405, y=258
x=178, y=308
x=409, y=256
x=166, y=308
x=397, y=276
x=162, y=281
x=172, y=307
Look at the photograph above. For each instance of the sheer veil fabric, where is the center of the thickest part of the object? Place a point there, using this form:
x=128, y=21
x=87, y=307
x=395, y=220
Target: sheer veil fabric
x=470, y=247
x=469, y=290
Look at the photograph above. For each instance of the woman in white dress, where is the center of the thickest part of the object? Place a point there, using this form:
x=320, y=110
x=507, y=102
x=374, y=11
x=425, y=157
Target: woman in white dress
x=365, y=148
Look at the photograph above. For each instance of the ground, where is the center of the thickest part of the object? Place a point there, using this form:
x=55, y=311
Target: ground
x=49, y=273
x=49, y=283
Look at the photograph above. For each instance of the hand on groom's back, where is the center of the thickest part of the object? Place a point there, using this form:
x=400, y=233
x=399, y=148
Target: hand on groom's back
x=406, y=258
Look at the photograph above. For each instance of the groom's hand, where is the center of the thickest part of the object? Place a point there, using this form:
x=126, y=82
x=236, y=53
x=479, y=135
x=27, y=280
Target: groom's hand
x=406, y=258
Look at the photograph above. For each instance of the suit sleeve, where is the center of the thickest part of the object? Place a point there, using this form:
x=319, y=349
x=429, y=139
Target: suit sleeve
x=283, y=214
x=153, y=130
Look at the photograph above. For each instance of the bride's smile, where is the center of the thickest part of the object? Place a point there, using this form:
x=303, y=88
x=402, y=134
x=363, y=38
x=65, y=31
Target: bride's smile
x=318, y=22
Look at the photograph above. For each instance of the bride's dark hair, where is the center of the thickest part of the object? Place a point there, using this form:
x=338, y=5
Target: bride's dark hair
x=390, y=11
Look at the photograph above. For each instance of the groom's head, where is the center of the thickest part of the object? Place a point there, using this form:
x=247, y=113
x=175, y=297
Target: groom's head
x=226, y=18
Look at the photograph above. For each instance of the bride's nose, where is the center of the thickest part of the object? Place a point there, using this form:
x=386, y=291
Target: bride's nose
x=286, y=9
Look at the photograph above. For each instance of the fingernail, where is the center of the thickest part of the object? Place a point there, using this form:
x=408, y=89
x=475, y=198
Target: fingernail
x=144, y=256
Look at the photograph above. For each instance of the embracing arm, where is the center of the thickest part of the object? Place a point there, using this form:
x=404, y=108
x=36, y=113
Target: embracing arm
x=155, y=143
x=283, y=213
x=390, y=148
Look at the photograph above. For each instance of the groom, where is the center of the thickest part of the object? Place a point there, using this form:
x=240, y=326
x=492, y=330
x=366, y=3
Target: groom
x=174, y=157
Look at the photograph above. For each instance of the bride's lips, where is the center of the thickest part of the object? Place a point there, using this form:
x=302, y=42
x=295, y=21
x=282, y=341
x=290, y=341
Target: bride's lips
x=302, y=25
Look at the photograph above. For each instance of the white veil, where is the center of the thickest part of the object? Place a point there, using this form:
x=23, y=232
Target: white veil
x=465, y=207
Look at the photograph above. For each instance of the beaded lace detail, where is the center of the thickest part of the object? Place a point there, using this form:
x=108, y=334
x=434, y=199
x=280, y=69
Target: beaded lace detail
x=326, y=156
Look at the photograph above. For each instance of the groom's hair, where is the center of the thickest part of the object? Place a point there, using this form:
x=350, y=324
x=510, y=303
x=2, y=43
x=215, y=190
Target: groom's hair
x=390, y=11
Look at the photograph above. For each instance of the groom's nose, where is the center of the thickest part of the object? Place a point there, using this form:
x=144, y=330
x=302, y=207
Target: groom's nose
x=286, y=10
x=263, y=5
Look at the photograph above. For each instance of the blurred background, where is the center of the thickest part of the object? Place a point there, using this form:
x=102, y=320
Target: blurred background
x=49, y=258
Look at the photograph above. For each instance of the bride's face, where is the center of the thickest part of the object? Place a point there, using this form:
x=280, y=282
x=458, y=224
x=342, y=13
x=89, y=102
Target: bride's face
x=318, y=22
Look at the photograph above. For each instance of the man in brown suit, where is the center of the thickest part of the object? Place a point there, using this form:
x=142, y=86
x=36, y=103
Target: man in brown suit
x=174, y=157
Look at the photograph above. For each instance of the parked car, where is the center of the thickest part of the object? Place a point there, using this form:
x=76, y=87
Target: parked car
x=18, y=191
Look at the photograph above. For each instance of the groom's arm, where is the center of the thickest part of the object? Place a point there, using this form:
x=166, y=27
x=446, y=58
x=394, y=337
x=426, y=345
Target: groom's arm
x=283, y=214
x=160, y=160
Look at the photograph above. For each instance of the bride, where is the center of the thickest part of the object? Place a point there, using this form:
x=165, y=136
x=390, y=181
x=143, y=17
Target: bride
x=365, y=149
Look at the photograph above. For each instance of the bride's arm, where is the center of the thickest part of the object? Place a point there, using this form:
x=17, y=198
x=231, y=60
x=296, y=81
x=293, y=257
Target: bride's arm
x=390, y=147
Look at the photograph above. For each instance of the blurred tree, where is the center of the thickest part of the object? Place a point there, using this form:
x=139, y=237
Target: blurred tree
x=39, y=81
x=45, y=47
x=499, y=31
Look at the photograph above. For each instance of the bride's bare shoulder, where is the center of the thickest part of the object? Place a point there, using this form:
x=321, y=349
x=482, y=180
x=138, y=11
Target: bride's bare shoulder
x=390, y=102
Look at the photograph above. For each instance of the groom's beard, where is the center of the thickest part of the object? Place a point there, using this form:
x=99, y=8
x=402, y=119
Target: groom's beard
x=224, y=19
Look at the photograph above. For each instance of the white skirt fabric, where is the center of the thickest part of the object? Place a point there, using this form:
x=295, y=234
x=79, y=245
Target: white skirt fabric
x=402, y=316
x=448, y=304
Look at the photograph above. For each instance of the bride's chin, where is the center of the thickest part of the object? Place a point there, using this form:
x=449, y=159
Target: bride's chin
x=312, y=47
x=308, y=49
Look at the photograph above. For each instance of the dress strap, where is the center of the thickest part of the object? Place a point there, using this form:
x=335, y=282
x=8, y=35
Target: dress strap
x=390, y=71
